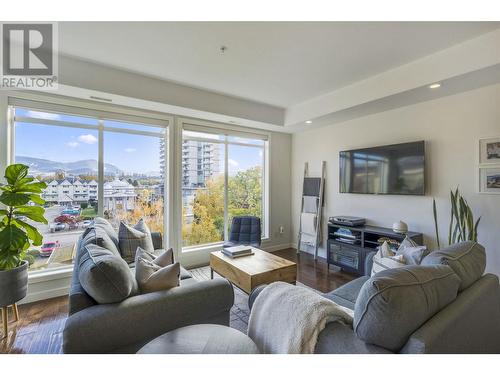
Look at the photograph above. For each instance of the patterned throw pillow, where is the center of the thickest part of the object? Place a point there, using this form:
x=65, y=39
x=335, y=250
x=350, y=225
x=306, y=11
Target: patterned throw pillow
x=385, y=259
x=152, y=278
x=130, y=238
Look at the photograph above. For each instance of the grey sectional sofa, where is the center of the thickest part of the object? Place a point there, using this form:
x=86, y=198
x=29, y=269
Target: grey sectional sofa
x=445, y=305
x=126, y=326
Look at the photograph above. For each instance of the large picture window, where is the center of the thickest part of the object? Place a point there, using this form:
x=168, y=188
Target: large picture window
x=93, y=165
x=223, y=175
x=114, y=165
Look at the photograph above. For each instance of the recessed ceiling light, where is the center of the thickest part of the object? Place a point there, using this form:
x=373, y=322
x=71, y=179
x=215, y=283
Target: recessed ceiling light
x=435, y=86
x=309, y=122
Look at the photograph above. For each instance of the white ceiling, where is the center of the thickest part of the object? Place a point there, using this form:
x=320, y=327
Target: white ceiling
x=275, y=63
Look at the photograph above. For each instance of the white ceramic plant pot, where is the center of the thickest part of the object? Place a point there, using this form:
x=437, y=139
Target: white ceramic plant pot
x=400, y=227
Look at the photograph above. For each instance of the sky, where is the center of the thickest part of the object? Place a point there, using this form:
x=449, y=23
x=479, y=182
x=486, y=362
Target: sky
x=129, y=152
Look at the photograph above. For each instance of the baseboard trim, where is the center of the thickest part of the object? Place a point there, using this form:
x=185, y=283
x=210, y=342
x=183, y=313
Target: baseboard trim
x=46, y=294
x=274, y=248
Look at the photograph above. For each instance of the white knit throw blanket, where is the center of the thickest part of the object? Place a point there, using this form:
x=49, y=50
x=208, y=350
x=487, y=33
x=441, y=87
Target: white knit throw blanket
x=288, y=319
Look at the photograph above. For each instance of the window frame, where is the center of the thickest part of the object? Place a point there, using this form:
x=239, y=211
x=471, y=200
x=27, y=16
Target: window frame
x=111, y=113
x=208, y=127
x=173, y=159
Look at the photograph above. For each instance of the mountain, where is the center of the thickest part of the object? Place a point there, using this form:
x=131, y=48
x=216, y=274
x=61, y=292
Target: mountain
x=44, y=166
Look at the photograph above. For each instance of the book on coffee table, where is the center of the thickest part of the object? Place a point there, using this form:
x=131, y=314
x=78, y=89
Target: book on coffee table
x=237, y=251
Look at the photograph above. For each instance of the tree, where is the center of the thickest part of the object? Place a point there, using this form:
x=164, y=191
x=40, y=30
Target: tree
x=60, y=175
x=244, y=198
x=245, y=193
x=208, y=214
x=152, y=212
x=88, y=177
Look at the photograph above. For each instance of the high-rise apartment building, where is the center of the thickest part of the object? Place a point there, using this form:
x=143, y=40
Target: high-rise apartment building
x=200, y=160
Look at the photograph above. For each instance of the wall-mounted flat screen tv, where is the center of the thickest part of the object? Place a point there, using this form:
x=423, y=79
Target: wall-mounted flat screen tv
x=393, y=169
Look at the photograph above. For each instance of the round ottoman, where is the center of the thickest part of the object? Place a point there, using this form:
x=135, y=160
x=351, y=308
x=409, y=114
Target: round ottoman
x=201, y=339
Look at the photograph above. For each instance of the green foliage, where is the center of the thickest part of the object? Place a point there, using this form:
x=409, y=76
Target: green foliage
x=244, y=198
x=89, y=212
x=462, y=226
x=462, y=219
x=434, y=211
x=84, y=205
x=16, y=236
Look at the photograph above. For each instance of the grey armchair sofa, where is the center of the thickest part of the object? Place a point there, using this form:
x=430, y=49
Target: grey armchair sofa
x=126, y=326
x=467, y=322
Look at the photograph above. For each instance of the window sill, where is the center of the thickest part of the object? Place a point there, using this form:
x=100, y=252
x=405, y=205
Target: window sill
x=212, y=246
x=47, y=275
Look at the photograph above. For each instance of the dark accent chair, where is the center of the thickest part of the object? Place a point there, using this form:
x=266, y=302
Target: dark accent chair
x=245, y=230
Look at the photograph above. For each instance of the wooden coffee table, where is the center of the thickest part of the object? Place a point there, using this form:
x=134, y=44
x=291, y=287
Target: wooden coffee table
x=250, y=271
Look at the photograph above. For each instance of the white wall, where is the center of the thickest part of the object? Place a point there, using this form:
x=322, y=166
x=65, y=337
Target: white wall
x=280, y=196
x=451, y=127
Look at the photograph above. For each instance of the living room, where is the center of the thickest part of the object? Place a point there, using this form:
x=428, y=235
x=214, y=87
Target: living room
x=261, y=187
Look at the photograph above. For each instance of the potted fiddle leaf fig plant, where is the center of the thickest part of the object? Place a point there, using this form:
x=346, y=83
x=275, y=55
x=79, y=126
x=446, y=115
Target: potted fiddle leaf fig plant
x=20, y=198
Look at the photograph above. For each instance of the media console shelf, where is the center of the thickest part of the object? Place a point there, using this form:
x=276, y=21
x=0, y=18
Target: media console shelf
x=349, y=251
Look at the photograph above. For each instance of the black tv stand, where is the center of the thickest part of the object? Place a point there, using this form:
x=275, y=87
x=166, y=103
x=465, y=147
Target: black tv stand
x=350, y=256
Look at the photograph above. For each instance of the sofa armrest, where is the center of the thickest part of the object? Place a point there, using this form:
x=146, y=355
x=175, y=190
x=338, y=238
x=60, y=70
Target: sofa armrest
x=157, y=240
x=104, y=328
x=369, y=263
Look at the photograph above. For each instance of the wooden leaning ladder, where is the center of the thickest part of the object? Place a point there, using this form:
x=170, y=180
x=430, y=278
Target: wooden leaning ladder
x=319, y=187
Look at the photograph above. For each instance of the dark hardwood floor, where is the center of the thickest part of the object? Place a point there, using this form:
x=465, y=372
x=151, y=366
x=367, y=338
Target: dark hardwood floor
x=40, y=327
x=315, y=274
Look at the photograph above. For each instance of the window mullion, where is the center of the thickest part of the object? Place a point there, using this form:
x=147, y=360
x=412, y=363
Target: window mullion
x=100, y=170
x=226, y=181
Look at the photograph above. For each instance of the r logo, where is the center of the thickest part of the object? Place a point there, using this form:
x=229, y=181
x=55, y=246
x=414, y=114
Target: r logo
x=27, y=49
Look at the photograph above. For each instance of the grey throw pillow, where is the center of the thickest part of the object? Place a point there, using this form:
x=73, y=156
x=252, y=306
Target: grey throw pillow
x=152, y=278
x=394, y=303
x=411, y=251
x=105, y=225
x=104, y=275
x=130, y=238
x=413, y=254
x=96, y=235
